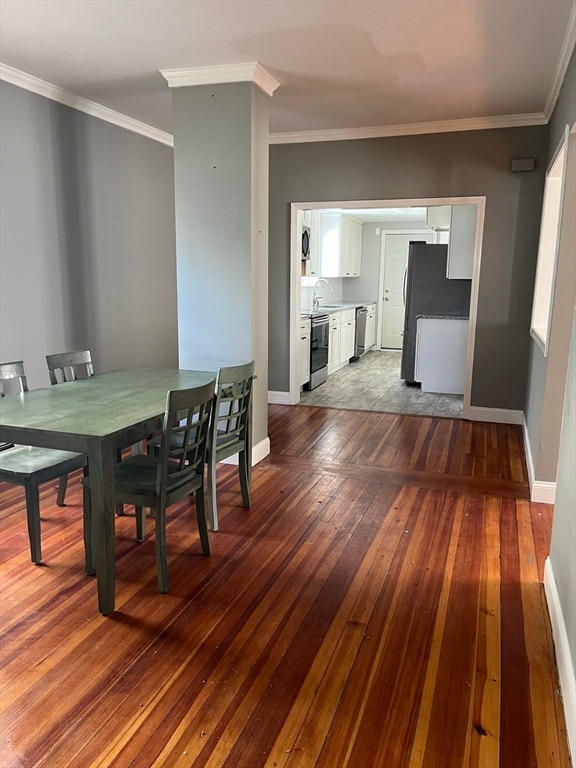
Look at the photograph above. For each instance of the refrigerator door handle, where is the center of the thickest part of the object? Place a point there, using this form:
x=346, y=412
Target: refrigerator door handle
x=404, y=285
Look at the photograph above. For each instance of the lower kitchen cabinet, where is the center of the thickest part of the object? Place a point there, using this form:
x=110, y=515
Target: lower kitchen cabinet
x=334, y=343
x=347, y=334
x=370, y=326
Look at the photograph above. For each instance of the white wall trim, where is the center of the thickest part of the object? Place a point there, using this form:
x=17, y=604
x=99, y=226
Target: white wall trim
x=411, y=129
x=259, y=452
x=540, y=490
x=53, y=92
x=566, y=672
x=278, y=398
x=254, y=72
x=528, y=451
x=249, y=71
x=562, y=64
x=494, y=415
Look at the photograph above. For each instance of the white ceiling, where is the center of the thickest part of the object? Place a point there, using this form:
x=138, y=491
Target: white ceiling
x=343, y=65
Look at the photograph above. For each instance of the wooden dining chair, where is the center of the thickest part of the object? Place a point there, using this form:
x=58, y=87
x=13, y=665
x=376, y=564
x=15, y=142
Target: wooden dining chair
x=68, y=366
x=230, y=431
x=29, y=466
x=156, y=480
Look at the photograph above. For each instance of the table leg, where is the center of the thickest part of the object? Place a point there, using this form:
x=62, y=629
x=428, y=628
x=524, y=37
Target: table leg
x=101, y=468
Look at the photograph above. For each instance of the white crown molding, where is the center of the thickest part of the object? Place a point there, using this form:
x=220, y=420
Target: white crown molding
x=53, y=92
x=250, y=71
x=411, y=129
x=254, y=72
x=562, y=65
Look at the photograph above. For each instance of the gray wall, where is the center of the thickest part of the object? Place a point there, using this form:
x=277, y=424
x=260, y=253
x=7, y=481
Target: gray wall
x=440, y=165
x=87, y=239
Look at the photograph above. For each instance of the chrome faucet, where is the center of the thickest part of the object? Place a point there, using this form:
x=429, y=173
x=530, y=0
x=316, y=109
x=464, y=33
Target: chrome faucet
x=315, y=299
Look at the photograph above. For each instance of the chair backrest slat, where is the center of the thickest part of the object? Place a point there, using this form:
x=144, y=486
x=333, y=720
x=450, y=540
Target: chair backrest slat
x=12, y=378
x=232, y=403
x=187, y=418
x=68, y=366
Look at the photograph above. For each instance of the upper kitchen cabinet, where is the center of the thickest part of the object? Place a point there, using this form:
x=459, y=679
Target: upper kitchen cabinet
x=438, y=217
x=462, y=240
x=455, y=225
x=340, y=244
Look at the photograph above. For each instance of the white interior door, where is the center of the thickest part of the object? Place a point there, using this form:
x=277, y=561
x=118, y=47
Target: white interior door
x=395, y=258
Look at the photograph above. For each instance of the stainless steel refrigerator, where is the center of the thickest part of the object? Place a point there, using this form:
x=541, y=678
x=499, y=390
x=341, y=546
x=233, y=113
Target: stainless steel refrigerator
x=427, y=291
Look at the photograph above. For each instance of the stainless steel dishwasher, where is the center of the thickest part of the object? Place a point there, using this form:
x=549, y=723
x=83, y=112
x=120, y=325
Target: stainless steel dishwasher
x=318, y=351
x=360, y=335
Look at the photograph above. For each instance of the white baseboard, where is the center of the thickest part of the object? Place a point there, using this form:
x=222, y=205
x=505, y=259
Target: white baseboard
x=279, y=398
x=543, y=492
x=259, y=452
x=540, y=490
x=494, y=415
x=566, y=673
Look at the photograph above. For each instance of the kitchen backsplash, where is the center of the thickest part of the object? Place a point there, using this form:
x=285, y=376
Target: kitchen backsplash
x=324, y=294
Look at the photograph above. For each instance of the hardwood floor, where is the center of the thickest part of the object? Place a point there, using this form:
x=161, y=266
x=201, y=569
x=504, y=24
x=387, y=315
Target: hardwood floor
x=381, y=604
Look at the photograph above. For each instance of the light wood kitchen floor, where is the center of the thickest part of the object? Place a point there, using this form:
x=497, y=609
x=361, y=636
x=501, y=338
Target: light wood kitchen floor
x=373, y=383
x=380, y=606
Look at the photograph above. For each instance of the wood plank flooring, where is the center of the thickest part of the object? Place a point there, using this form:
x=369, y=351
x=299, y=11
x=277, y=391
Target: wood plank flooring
x=380, y=605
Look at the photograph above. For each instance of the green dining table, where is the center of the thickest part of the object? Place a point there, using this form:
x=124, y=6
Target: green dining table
x=96, y=416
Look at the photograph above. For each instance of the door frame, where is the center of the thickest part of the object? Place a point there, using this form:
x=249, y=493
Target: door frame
x=296, y=219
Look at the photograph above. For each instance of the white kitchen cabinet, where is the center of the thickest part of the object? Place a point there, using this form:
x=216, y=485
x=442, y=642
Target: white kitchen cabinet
x=347, y=335
x=334, y=342
x=462, y=240
x=304, y=351
x=340, y=245
x=370, y=326
x=351, y=249
x=438, y=216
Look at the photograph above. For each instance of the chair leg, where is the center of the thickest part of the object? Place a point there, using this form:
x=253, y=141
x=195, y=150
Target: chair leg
x=244, y=472
x=202, y=523
x=140, y=523
x=33, y=520
x=62, y=483
x=212, y=509
x=161, y=555
x=87, y=516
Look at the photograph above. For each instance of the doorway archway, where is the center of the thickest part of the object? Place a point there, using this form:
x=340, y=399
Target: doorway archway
x=297, y=210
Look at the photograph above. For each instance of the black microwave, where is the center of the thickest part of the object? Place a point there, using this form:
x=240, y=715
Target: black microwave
x=305, y=243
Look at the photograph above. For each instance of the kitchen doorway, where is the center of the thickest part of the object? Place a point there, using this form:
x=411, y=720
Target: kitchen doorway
x=350, y=386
